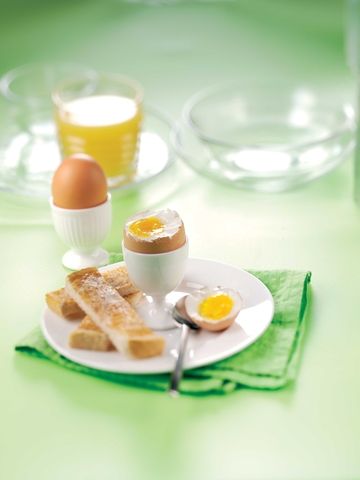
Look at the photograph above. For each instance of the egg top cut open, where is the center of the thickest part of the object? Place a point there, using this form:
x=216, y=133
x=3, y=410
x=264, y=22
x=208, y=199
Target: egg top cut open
x=157, y=231
x=214, y=309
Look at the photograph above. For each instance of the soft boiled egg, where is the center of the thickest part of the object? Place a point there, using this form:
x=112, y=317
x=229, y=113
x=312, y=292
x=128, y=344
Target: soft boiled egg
x=154, y=231
x=79, y=182
x=214, y=309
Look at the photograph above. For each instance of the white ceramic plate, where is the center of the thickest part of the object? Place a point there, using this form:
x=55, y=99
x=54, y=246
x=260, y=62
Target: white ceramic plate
x=203, y=347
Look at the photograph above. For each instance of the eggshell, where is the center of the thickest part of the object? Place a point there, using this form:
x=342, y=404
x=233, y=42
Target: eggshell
x=158, y=245
x=79, y=182
x=214, y=326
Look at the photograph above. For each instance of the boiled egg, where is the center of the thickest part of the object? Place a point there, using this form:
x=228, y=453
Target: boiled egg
x=214, y=309
x=79, y=182
x=154, y=231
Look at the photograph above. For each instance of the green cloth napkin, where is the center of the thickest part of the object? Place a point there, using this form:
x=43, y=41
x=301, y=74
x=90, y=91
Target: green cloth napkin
x=270, y=363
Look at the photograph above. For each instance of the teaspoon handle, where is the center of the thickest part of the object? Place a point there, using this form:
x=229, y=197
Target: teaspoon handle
x=178, y=370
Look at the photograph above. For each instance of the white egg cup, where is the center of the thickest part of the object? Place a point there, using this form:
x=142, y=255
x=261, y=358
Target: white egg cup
x=156, y=275
x=83, y=230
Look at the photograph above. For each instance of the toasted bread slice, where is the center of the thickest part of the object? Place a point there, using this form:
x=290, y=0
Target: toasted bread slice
x=119, y=279
x=88, y=336
x=64, y=306
x=133, y=298
x=113, y=315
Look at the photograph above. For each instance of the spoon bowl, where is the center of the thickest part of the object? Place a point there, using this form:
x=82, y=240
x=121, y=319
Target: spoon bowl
x=180, y=316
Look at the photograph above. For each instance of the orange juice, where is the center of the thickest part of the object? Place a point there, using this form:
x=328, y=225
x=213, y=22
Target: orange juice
x=106, y=127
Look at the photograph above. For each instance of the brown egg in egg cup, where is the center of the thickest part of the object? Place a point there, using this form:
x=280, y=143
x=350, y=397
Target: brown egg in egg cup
x=81, y=211
x=156, y=259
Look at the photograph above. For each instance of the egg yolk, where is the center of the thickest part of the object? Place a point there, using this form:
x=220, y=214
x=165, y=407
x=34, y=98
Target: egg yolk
x=216, y=307
x=146, y=227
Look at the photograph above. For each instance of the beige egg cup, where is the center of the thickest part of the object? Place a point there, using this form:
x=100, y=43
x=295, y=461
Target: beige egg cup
x=83, y=230
x=156, y=274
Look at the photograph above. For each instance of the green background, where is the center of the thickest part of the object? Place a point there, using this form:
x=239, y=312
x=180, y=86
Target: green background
x=57, y=424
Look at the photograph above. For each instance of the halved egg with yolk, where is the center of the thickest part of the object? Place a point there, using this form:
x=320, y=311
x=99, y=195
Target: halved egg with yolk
x=214, y=309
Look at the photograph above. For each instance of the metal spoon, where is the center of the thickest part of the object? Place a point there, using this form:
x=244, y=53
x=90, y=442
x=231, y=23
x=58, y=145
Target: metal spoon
x=179, y=314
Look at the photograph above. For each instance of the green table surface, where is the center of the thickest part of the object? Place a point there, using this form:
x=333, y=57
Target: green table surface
x=57, y=424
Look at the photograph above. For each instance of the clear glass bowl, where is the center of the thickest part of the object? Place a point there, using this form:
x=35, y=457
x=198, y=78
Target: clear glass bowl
x=29, y=151
x=265, y=137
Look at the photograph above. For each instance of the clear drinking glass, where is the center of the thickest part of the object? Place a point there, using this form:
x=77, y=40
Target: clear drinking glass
x=101, y=118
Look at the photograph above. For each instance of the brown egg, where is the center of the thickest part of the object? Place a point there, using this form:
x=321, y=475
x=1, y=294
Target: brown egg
x=153, y=232
x=79, y=182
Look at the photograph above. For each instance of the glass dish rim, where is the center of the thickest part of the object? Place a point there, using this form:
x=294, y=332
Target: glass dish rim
x=13, y=73
x=150, y=110
x=348, y=124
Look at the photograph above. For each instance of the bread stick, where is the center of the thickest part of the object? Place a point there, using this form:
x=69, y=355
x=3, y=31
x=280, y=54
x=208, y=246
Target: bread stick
x=64, y=306
x=113, y=315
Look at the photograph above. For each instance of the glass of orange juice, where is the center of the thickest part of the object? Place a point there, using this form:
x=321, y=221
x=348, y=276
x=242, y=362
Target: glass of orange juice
x=101, y=116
